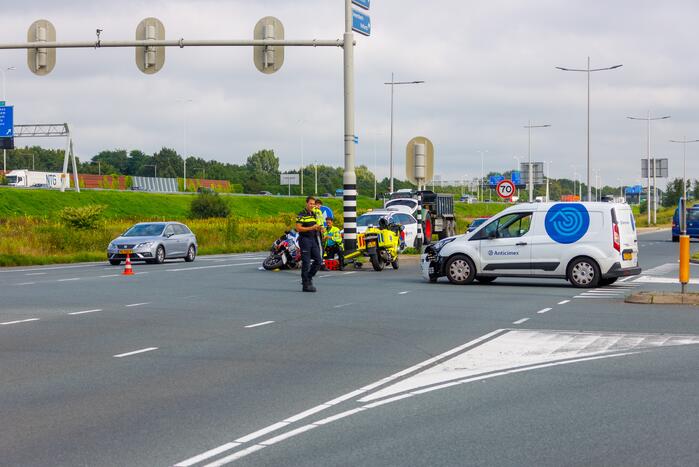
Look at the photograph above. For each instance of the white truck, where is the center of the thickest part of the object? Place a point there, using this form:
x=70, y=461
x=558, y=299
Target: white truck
x=29, y=178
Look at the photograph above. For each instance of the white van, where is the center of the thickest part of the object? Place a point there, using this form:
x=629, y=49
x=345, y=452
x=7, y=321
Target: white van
x=589, y=244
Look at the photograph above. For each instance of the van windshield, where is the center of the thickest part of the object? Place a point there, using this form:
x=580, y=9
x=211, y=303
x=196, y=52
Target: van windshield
x=11, y=178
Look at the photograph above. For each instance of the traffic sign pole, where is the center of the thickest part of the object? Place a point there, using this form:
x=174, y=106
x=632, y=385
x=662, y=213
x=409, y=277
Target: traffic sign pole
x=349, y=178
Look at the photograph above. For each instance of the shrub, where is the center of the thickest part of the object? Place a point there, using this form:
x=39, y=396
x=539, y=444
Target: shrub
x=207, y=205
x=85, y=217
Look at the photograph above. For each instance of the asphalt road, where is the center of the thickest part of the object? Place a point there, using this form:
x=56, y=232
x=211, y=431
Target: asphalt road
x=216, y=363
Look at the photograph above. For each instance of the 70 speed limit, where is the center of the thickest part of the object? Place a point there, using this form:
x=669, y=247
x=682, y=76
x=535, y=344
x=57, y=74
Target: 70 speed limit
x=505, y=189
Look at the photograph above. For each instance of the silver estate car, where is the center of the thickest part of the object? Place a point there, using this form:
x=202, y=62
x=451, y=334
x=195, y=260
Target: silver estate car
x=154, y=242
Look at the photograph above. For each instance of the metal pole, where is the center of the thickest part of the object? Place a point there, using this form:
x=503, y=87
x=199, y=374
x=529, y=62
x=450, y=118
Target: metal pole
x=589, y=187
x=375, y=165
x=315, y=192
x=349, y=178
x=390, y=189
x=4, y=98
x=548, y=175
x=648, y=197
x=530, y=180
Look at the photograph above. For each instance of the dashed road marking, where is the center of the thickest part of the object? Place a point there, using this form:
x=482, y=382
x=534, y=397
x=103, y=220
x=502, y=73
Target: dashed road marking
x=520, y=321
x=404, y=292
x=19, y=321
x=259, y=324
x=127, y=354
x=343, y=305
x=137, y=304
x=27, y=283
x=84, y=312
x=541, y=312
x=68, y=280
x=564, y=302
x=36, y=274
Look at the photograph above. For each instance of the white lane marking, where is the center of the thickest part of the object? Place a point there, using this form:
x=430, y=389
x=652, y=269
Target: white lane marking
x=662, y=280
x=541, y=312
x=137, y=304
x=236, y=456
x=210, y=267
x=625, y=279
x=261, y=432
x=50, y=269
x=350, y=395
x=343, y=305
x=68, y=280
x=604, y=292
x=333, y=418
x=259, y=324
x=520, y=321
x=127, y=354
x=36, y=274
x=111, y=275
x=563, y=302
x=287, y=435
x=325, y=275
x=19, y=321
x=86, y=311
x=596, y=297
x=404, y=292
x=27, y=283
x=206, y=455
x=350, y=272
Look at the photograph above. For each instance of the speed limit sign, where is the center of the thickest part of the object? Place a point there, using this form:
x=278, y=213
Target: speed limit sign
x=505, y=189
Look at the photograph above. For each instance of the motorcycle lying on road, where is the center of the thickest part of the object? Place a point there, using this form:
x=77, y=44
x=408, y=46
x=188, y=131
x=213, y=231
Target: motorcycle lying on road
x=285, y=253
x=381, y=244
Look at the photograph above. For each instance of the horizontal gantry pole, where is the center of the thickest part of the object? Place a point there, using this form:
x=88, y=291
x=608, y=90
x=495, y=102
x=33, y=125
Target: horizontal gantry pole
x=173, y=43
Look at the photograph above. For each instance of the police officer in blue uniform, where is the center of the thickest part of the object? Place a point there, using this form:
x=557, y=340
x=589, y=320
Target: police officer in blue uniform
x=310, y=232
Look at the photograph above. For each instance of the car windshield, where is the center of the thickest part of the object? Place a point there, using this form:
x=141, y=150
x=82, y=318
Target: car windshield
x=145, y=230
x=368, y=219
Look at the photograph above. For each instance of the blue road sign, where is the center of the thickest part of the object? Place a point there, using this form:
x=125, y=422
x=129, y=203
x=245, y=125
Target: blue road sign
x=634, y=190
x=361, y=22
x=356, y=139
x=362, y=3
x=495, y=179
x=6, y=123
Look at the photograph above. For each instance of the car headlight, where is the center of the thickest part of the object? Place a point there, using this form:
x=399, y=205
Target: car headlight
x=440, y=244
x=111, y=247
x=145, y=245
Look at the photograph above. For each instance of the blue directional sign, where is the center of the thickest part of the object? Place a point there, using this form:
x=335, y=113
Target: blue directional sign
x=6, y=123
x=356, y=139
x=495, y=179
x=361, y=22
x=362, y=3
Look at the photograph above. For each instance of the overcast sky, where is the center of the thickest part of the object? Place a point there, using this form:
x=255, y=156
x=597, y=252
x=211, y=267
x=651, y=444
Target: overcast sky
x=489, y=68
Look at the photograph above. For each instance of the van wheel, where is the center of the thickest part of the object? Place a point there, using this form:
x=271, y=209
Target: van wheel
x=485, y=279
x=583, y=273
x=460, y=270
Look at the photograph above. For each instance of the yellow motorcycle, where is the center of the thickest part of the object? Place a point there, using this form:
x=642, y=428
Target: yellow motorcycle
x=380, y=244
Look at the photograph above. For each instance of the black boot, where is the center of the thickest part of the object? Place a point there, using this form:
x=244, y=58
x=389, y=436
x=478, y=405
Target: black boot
x=308, y=287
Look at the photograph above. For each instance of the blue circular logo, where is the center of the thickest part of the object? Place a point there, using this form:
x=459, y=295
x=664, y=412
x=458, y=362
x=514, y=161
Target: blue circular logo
x=567, y=222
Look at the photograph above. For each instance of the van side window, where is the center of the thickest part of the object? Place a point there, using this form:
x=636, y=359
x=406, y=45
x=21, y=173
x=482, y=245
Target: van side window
x=509, y=226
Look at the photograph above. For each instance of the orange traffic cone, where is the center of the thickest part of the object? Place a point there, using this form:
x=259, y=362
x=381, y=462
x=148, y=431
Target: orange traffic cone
x=127, y=267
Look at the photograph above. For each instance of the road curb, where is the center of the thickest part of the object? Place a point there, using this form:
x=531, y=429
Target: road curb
x=663, y=298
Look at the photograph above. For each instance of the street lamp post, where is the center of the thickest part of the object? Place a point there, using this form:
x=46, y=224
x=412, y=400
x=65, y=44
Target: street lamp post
x=548, y=176
x=393, y=83
x=301, y=122
x=531, y=176
x=589, y=70
x=315, y=165
x=482, y=193
x=4, y=97
x=516, y=168
x=684, y=142
x=648, y=119
x=184, y=156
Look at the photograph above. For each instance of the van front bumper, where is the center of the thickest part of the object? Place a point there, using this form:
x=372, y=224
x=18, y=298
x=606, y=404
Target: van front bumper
x=617, y=271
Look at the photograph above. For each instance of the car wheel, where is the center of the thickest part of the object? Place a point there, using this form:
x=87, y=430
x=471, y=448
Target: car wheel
x=584, y=273
x=115, y=262
x=485, y=279
x=159, y=255
x=191, y=254
x=460, y=270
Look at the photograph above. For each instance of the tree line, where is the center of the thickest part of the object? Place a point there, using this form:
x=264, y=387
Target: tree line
x=260, y=172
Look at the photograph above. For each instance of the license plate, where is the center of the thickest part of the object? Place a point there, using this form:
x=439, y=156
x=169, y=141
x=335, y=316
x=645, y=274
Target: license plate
x=125, y=252
x=628, y=256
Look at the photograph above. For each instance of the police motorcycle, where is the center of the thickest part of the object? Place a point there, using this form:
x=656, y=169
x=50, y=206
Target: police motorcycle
x=380, y=244
x=285, y=252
